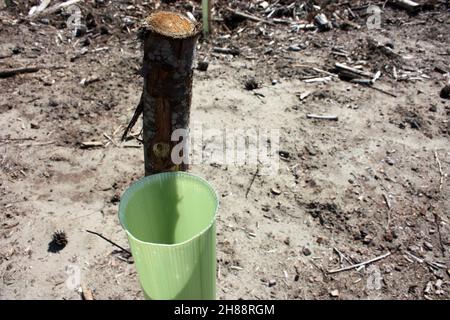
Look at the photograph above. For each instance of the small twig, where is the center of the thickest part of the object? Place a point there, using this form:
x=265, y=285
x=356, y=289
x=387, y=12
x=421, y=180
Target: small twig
x=388, y=204
x=441, y=181
x=354, y=266
x=386, y=199
x=232, y=51
x=437, y=220
x=341, y=256
x=91, y=144
x=139, y=110
x=344, y=68
x=37, y=144
x=325, y=274
x=6, y=56
x=117, y=130
x=369, y=84
x=113, y=243
x=419, y=260
x=109, y=138
x=383, y=91
x=251, y=183
x=320, y=79
x=314, y=116
x=12, y=72
x=16, y=139
x=249, y=16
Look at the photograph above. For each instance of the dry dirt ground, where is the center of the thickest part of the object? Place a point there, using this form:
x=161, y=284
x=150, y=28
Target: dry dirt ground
x=373, y=182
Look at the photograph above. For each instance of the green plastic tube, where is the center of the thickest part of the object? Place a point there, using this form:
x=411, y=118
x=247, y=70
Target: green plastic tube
x=170, y=221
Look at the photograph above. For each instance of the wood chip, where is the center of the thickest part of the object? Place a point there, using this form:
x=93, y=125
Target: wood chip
x=91, y=144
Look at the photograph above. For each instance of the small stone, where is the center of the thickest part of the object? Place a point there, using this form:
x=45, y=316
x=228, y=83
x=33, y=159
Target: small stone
x=274, y=82
x=428, y=288
x=128, y=21
x=414, y=249
x=389, y=43
x=86, y=42
x=16, y=50
x=445, y=92
x=334, y=293
x=427, y=245
x=251, y=84
x=284, y=155
x=390, y=162
x=264, y=4
x=34, y=125
x=389, y=237
x=306, y=251
x=272, y=282
x=115, y=198
x=367, y=239
x=275, y=191
x=52, y=102
x=104, y=30
x=203, y=65
x=311, y=150
x=79, y=31
x=294, y=48
x=321, y=240
x=433, y=108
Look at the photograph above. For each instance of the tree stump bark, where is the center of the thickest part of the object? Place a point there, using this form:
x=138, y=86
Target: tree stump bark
x=169, y=44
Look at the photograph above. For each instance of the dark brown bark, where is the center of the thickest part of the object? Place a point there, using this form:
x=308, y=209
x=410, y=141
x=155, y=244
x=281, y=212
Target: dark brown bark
x=169, y=44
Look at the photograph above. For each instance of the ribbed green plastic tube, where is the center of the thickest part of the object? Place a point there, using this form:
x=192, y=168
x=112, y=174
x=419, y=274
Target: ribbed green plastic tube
x=170, y=219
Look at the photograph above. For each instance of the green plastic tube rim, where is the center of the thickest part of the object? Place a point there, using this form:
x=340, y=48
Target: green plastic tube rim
x=142, y=182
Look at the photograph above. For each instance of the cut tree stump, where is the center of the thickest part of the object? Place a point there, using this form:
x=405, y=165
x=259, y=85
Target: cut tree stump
x=169, y=40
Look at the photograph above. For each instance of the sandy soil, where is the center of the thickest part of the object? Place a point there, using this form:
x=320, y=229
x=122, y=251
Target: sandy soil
x=335, y=184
